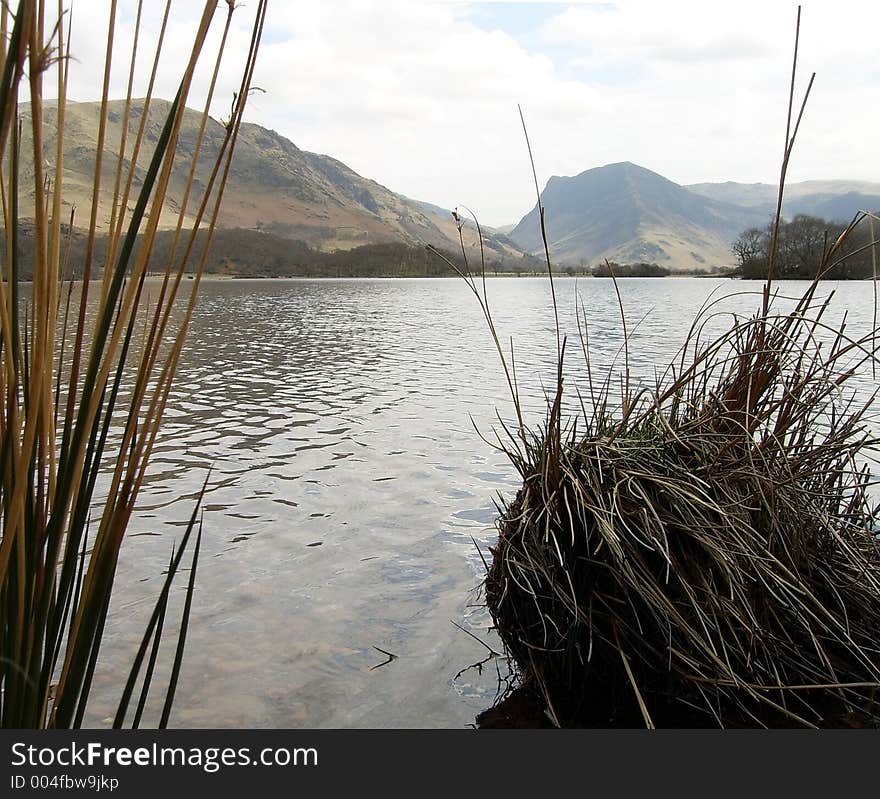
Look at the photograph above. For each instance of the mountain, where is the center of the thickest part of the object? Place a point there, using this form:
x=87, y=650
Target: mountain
x=834, y=207
x=273, y=185
x=835, y=200
x=626, y=213
x=622, y=212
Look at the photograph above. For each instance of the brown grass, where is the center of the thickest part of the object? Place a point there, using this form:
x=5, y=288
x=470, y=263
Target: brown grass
x=704, y=552
x=74, y=359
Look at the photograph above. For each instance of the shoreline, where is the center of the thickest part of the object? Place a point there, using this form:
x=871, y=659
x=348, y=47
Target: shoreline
x=215, y=278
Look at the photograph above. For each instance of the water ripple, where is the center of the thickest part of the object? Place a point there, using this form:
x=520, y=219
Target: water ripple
x=343, y=413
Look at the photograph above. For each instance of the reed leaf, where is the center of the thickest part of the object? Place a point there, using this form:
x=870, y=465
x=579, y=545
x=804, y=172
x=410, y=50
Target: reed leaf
x=72, y=362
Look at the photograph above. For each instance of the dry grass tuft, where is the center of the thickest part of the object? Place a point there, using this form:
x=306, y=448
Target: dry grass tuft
x=711, y=556
x=705, y=552
x=77, y=357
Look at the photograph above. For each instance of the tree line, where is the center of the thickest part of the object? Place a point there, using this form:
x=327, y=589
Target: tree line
x=802, y=245
x=236, y=252
x=640, y=269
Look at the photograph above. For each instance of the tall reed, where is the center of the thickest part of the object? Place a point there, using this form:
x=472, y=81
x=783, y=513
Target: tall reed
x=75, y=357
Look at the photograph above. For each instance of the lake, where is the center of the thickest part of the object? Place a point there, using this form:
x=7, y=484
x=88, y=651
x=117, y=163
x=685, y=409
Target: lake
x=348, y=424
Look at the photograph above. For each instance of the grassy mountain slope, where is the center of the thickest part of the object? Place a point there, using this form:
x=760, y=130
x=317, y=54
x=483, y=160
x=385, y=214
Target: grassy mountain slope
x=627, y=213
x=273, y=185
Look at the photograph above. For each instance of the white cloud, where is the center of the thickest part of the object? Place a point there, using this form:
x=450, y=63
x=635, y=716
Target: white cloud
x=418, y=96
x=670, y=31
x=90, y=26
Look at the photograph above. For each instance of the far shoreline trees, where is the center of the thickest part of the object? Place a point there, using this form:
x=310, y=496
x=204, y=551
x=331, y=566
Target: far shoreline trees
x=803, y=241
x=629, y=270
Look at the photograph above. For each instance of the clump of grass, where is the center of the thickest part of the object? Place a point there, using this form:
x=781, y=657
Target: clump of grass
x=711, y=557
x=75, y=357
x=704, y=552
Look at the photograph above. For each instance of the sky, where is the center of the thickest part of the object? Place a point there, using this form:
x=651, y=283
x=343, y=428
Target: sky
x=422, y=96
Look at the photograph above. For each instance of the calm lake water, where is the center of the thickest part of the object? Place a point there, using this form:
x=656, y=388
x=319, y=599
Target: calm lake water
x=350, y=485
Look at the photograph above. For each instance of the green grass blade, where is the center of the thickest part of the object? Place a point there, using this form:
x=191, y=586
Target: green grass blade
x=127, y=691
x=148, y=676
x=181, y=637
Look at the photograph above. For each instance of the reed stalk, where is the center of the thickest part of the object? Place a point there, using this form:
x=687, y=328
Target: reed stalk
x=74, y=361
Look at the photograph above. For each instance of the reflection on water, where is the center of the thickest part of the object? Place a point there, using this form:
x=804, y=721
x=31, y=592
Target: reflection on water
x=349, y=485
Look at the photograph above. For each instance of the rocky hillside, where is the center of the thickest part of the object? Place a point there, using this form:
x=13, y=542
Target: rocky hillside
x=273, y=185
x=626, y=213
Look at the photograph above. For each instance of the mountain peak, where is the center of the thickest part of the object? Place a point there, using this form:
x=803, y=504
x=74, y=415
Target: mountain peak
x=624, y=211
x=625, y=167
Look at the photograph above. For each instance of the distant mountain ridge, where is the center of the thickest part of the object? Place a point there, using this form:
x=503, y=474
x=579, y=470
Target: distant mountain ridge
x=835, y=200
x=627, y=213
x=764, y=194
